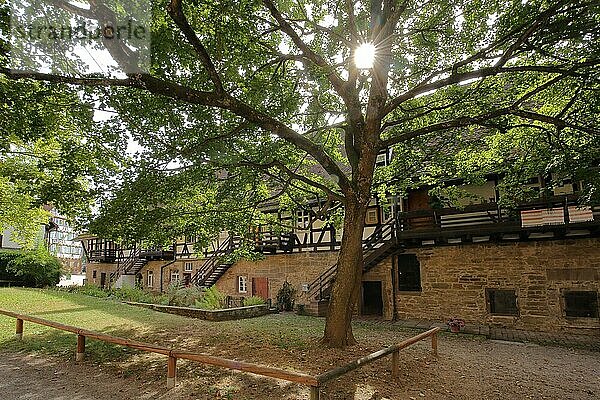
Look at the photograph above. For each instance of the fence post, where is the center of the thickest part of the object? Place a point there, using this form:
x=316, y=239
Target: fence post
x=396, y=364
x=19, y=330
x=80, y=348
x=434, y=344
x=315, y=393
x=171, y=372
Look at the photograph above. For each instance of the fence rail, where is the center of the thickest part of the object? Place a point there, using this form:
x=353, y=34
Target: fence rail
x=314, y=382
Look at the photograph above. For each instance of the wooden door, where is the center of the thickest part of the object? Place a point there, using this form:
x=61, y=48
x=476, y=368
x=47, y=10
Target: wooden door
x=260, y=287
x=419, y=201
x=102, y=279
x=372, y=299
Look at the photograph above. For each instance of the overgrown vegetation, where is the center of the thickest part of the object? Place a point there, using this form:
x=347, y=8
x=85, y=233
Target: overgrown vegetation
x=213, y=299
x=253, y=301
x=176, y=295
x=286, y=297
x=32, y=268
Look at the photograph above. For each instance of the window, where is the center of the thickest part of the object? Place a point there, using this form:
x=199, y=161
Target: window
x=175, y=275
x=188, y=266
x=381, y=160
x=94, y=272
x=150, y=279
x=409, y=273
x=372, y=216
x=242, y=284
x=581, y=304
x=303, y=219
x=502, y=302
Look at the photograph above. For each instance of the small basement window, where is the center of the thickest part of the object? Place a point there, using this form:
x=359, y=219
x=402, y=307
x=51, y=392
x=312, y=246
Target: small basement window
x=188, y=266
x=581, y=304
x=409, y=273
x=502, y=302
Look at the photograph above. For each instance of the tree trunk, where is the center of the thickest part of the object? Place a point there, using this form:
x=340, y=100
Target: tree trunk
x=346, y=287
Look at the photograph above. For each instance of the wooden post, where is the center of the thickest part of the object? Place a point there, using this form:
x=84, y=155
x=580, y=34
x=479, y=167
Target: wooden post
x=396, y=364
x=434, y=344
x=315, y=393
x=19, y=330
x=80, y=348
x=171, y=372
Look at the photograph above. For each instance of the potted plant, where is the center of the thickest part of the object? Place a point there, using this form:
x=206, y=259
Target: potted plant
x=455, y=324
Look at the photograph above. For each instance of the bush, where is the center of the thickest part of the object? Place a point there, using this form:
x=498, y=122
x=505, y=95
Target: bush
x=5, y=258
x=35, y=268
x=88, y=290
x=128, y=293
x=212, y=299
x=286, y=297
x=253, y=301
x=187, y=296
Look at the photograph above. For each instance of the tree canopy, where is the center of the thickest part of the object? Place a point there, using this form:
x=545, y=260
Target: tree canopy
x=243, y=98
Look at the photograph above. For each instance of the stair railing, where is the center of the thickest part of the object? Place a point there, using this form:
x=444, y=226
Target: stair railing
x=124, y=266
x=211, y=264
x=382, y=235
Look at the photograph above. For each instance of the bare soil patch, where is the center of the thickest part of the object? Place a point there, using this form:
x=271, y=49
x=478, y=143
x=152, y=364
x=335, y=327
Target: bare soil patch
x=467, y=367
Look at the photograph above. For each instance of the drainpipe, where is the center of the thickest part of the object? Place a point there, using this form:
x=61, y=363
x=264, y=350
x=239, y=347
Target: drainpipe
x=162, y=267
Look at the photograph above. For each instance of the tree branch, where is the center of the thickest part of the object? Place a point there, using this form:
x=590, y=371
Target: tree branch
x=175, y=10
x=482, y=73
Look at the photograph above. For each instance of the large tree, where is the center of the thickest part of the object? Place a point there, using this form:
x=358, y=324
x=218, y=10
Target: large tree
x=50, y=154
x=241, y=90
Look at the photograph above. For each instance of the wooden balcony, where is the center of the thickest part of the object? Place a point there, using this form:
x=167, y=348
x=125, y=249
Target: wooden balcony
x=557, y=216
x=157, y=254
x=102, y=255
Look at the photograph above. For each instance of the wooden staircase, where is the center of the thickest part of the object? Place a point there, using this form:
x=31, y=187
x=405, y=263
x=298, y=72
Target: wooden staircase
x=379, y=245
x=128, y=267
x=215, y=266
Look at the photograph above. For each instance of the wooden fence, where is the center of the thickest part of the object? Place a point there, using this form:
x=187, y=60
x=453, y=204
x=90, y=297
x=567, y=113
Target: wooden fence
x=314, y=382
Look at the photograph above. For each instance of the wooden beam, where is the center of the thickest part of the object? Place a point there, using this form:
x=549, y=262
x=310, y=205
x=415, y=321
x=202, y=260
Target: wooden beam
x=171, y=372
x=80, y=348
x=290, y=376
x=315, y=393
x=19, y=329
x=341, y=370
x=396, y=364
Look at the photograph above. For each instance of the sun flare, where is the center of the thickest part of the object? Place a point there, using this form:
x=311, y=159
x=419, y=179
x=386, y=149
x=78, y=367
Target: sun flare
x=364, y=56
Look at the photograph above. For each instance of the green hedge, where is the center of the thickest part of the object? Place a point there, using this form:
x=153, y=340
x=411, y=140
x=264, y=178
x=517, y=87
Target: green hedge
x=33, y=268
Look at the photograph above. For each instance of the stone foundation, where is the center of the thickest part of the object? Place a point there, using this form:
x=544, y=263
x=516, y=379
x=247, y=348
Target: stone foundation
x=455, y=278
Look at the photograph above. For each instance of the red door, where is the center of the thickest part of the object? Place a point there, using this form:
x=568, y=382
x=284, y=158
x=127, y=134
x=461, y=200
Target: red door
x=260, y=287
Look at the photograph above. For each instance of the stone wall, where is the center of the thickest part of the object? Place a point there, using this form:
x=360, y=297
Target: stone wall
x=454, y=281
x=297, y=268
x=226, y=314
x=93, y=272
x=382, y=272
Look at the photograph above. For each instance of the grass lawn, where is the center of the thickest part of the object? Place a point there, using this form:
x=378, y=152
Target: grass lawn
x=283, y=331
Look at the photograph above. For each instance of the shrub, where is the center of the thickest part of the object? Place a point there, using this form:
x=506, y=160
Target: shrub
x=88, y=290
x=212, y=299
x=286, y=297
x=128, y=293
x=253, y=301
x=187, y=296
x=35, y=268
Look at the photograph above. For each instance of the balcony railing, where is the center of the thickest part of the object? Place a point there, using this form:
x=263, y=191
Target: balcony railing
x=490, y=218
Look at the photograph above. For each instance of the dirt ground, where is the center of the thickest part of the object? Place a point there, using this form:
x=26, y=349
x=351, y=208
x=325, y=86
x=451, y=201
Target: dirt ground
x=467, y=368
